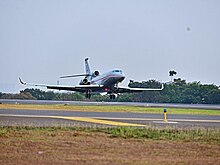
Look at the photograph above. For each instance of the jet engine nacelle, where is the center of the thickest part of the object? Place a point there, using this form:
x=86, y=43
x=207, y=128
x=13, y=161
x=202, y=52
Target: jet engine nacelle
x=96, y=73
x=84, y=82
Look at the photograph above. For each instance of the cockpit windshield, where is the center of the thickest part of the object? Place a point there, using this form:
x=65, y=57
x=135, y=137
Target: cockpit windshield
x=117, y=71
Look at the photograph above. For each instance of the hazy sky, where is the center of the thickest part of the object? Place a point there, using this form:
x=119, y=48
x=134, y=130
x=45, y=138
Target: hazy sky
x=41, y=40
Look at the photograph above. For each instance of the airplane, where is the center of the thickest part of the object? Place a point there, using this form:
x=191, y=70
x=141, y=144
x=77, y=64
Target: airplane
x=94, y=82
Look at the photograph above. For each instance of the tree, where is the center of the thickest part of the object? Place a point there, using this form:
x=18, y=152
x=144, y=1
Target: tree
x=37, y=93
x=26, y=96
x=213, y=97
x=125, y=97
x=179, y=91
x=179, y=82
x=147, y=96
x=172, y=73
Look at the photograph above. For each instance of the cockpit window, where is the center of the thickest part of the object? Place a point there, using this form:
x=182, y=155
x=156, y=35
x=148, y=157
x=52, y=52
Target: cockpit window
x=118, y=71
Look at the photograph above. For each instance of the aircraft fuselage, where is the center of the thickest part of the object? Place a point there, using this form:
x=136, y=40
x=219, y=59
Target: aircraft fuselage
x=109, y=79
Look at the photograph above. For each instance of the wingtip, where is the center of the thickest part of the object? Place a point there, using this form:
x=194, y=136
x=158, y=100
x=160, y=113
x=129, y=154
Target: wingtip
x=23, y=83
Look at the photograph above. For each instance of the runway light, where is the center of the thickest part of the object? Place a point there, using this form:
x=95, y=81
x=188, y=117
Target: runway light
x=165, y=115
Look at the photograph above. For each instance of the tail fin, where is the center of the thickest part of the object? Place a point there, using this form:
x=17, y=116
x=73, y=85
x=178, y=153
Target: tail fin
x=88, y=71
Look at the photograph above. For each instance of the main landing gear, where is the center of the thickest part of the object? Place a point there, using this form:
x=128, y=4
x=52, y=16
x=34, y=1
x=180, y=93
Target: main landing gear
x=112, y=96
x=88, y=94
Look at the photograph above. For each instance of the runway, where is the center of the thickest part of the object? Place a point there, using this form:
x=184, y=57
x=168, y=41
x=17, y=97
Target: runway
x=102, y=119
x=140, y=104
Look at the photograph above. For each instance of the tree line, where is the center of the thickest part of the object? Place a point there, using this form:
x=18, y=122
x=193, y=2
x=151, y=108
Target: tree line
x=178, y=91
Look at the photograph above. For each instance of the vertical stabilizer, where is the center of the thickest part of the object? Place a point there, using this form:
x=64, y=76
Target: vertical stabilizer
x=88, y=71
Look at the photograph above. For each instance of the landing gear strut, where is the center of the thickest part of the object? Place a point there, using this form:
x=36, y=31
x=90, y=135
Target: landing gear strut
x=88, y=94
x=112, y=96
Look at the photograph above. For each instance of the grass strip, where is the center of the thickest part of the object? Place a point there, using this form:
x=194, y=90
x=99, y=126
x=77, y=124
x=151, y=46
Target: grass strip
x=208, y=136
x=197, y=135
x=109, y=109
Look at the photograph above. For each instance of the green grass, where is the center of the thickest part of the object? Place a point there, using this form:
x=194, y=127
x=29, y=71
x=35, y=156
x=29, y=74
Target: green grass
x=110, y=109
x=197, y=135
x=209, y=136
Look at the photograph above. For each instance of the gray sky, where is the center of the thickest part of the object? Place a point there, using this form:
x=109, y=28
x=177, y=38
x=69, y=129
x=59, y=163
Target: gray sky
x=41, y=40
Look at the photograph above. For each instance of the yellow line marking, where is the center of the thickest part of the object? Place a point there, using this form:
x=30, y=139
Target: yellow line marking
x=92, y=120
x=105, y=120
x=83, y=119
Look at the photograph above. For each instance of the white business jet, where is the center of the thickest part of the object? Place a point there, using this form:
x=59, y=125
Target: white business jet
x=94, y=82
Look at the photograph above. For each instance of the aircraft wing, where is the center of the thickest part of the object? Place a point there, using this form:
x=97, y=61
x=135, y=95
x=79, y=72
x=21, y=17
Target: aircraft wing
x=78, y=88
x=132, y=90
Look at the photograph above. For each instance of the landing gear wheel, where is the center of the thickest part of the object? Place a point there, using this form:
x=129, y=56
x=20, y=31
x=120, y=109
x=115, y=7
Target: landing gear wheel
x=88, y=95
x=112, y=96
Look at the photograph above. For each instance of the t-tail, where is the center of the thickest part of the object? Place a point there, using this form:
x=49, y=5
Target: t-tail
x=87, y=68
x=87, y=74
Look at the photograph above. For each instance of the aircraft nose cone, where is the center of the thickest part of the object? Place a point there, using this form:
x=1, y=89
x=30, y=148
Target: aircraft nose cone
x=121, y=78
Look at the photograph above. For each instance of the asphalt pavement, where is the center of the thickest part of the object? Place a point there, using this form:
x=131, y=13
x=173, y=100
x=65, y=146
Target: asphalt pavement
x=162, y=105
x=10, y=117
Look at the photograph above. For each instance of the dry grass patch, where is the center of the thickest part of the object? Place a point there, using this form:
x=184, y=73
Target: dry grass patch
x=98, y=146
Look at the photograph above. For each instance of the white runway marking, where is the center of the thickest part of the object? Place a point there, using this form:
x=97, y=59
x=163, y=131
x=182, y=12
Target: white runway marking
x=163, y=122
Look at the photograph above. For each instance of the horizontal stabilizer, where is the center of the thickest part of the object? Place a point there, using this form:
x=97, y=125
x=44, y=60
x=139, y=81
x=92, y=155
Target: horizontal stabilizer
x=76, y=75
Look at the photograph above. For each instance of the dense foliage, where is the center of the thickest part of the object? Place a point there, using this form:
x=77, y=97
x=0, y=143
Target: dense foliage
x=37, y=94
x=179, y=91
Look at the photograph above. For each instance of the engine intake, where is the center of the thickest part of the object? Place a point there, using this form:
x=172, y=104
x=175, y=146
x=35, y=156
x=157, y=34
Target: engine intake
x=96, y=73
x=84, y=82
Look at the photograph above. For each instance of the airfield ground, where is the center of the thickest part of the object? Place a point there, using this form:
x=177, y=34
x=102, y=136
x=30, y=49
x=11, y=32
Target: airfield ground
x=118, y=145
x=114, y=146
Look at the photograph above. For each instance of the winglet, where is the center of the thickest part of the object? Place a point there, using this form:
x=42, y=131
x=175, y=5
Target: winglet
x=23, y=83
x=162, y=87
